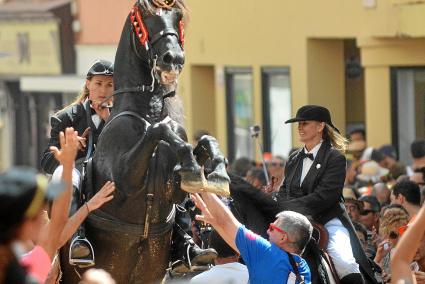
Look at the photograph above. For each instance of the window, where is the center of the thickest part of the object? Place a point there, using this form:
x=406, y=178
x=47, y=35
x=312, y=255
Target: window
x=276, y=110
x=239, y=96
x=408, y=109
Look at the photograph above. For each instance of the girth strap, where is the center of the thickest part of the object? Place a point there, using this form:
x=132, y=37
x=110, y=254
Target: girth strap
x=100, y=220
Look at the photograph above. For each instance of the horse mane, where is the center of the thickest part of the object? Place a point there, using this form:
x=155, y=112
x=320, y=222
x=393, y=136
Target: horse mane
x=174, y=108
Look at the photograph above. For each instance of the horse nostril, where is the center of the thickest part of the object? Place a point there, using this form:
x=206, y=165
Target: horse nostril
x=168, y=58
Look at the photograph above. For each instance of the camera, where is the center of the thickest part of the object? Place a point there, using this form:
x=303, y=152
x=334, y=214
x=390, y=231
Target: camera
x=254, y=130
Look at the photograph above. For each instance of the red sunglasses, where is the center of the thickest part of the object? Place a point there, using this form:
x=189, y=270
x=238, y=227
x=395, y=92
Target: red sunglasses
x=273, y=227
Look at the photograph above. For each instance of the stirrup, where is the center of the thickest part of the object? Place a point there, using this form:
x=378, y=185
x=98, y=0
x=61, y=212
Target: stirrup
x=85, y=261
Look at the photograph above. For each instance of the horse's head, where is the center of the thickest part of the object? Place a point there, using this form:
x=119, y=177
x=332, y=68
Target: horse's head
x=154, y=43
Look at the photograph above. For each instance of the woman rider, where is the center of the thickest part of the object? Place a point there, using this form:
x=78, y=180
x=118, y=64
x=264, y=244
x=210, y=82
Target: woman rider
x=314, y=179
x=86, y=114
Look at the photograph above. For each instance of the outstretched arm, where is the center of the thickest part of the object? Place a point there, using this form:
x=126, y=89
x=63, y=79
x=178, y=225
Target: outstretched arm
x=50, y=235
x=218, y=215
x=100, y=198
x=406, y=250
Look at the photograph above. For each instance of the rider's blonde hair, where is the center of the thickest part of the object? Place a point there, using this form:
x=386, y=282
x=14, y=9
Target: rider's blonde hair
x=337, y=141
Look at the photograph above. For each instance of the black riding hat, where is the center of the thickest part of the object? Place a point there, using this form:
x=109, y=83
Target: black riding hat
x=313, y=112
x=101, y=67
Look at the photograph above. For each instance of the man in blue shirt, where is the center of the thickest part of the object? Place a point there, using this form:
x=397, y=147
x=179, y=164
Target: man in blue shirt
x=273, y=261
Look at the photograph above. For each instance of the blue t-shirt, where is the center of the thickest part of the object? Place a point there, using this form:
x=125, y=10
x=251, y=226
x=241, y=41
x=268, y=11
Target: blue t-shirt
x=266, y=262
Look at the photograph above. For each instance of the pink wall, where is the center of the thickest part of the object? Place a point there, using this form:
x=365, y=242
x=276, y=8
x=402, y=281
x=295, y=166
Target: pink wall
x=101, y=20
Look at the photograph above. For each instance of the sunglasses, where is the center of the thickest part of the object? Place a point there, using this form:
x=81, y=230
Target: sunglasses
x=273, y=227
x=366, y=212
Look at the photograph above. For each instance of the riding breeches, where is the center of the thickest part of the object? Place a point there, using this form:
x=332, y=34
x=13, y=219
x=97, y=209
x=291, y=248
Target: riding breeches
x=76, y=175
x=340, y=250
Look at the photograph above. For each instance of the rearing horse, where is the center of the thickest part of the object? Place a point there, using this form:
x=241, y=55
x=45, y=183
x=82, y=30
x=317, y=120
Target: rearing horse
x=144, y=150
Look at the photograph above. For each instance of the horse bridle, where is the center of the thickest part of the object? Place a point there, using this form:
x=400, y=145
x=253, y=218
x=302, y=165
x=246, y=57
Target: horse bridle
x=141, y=32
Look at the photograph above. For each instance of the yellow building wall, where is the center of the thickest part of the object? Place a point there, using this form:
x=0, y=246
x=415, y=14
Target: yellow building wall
x=326, y=85
x=203, y=98
x=30, y=48
x=308, y=37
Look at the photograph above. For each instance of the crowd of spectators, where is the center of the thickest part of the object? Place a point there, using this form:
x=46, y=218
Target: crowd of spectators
x=382, y=197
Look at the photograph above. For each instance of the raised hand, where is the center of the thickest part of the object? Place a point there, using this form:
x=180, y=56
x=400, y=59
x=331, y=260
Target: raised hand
x=383, y=249
x=69, y=147
x=420, y=277
x=206, y=216
x=101, y=197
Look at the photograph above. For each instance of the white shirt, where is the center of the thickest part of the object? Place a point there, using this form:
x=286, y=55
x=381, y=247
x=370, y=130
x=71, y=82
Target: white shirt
x=233, y=272
x=96, y=120
x=307, y=162
x=95, y=117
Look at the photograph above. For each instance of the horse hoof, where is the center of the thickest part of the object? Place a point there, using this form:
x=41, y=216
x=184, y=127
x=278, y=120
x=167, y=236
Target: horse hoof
x=193, y=182
x=192, y=187
x=218, y=183
x=219, y=188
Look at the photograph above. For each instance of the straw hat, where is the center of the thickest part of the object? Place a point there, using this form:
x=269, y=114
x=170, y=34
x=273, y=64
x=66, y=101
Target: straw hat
x=371, y=172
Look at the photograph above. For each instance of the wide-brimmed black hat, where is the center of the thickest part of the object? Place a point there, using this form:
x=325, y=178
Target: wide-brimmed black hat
x=101, y=67
x=313, y=112
x=23, y=192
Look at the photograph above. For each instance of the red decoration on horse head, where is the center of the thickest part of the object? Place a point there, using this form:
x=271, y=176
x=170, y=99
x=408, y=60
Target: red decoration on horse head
x=139, y=26
x=181, y=32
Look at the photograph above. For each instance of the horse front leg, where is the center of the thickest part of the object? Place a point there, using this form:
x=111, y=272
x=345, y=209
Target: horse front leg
x=192, y=175
x=218, y=180
x=134, y=164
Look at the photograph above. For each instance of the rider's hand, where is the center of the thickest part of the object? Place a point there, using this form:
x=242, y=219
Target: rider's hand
x=82, y=140
x=270, y=188
x=68, y=147
x=101, y=109
x=101, y=197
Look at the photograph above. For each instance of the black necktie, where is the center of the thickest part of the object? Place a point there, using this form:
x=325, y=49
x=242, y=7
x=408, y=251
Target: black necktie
x=304, y=155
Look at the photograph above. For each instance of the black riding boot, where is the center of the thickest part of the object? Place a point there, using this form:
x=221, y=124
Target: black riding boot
x=353, y=278
x=185, y=252
x=80, y=250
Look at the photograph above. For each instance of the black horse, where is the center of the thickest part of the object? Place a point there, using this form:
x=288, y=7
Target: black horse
x=144, y=149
